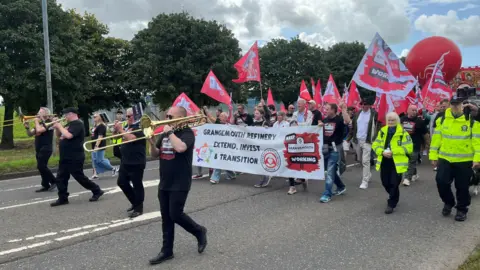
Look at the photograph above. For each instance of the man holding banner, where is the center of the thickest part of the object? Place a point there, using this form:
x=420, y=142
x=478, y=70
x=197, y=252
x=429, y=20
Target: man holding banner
x=333, y=131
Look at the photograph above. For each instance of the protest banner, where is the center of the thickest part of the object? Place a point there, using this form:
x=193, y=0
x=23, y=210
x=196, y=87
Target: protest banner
x=284, y=152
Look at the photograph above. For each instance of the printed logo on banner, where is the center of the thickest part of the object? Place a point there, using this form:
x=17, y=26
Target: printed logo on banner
x=204, y=153
x=302, y=152
x=271, y=160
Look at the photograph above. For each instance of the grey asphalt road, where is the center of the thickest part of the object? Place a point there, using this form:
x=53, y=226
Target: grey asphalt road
x=249, y=228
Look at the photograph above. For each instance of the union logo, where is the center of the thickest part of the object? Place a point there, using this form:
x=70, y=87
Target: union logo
x=204, y=153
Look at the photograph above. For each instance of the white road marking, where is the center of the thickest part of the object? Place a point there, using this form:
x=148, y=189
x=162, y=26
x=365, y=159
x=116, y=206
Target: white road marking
x=106, y=226
x=20, y=188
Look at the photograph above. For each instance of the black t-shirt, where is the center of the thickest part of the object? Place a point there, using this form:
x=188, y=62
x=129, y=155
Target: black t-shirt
x=243, y=120
x=43, y=142
x=100, y=130
x=133, y=153
x=333, y=130
x=259, y=123
x=176, y=168
x=317, y=116
x=217, y=121
x=72, y=149
x=416, y=128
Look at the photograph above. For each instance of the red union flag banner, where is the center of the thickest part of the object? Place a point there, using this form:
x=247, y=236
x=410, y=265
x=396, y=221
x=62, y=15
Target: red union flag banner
x=436, y=89
x=248, y=67
x=285, y=152
x=214, y=89
x=382, y=71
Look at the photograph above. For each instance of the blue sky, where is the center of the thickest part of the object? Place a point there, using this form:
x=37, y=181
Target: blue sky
x=464, y=9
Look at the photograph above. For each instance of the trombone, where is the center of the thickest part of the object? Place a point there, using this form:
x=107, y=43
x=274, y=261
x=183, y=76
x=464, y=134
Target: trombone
x=56, y=121
x=148, y=126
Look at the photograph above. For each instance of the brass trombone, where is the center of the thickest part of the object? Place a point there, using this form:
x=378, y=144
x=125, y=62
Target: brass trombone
x=148, y=126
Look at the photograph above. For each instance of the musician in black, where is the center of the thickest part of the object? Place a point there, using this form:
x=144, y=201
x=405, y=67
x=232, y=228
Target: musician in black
x=175, y=149
x=132, y=164
x=43, y=148
x=72, y=157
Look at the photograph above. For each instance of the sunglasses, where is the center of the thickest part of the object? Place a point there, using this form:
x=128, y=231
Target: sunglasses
x=128, y=116
x=169, y=116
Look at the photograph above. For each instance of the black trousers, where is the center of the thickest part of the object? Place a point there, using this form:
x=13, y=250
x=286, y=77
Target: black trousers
x=116, y=152
x=390, y=181
x=42, y=165
x=132, y=174
x=461, y=172
x=171, y=209
x=75, y=169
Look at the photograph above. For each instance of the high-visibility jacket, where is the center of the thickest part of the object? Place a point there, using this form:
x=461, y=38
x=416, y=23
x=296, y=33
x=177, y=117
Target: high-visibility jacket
x=118, y=139
x=455, y=139
x=401, y=146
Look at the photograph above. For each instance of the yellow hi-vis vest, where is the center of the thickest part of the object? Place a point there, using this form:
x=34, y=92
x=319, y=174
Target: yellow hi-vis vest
x=118, y=139
x=401, y=146
x=456, y=139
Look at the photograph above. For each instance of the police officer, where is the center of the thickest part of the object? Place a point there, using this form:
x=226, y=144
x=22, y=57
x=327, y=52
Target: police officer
x=454, y=149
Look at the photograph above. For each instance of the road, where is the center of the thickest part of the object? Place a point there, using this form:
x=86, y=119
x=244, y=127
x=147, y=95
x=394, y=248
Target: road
x=249, y=228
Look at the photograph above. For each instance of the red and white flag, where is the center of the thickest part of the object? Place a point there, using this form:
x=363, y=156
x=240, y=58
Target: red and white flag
x=214, y=89
x=382, y=71
x=317, y=94
x=436, y=89
x=184, y=101
x=331, y=94
x=385, y=103
x=304, y=92
x=270, y=100
x=248, y=67
x=353, y=99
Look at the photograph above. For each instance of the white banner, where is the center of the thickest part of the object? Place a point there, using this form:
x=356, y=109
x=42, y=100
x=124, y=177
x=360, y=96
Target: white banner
x=285, y=152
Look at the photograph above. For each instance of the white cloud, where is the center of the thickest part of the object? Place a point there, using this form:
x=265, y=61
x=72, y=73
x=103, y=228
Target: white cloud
x=464, y=31
x=404, y=53
x=468, y=6
x=320, y=22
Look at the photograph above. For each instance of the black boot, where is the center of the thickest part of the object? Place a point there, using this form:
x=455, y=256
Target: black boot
x=161, y=257
x=388, y=210
x=202, y=240
x=59, y=202
x=447, y=210
x=137, y=211
x=460, y=216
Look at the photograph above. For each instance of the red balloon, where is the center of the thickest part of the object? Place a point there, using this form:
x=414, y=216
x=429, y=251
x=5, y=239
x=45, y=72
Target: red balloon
x=424, y=55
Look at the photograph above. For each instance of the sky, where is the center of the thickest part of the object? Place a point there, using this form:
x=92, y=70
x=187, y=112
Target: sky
x=402, y=23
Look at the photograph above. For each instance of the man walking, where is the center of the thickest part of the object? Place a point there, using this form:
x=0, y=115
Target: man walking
x=175, y=149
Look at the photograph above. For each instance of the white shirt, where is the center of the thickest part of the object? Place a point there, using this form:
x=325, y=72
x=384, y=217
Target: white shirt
x=281, y=124
x=362, y=125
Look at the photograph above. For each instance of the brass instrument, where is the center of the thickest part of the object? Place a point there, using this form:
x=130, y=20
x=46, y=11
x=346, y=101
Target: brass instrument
x=113, y=124
x=56, y=121
x=148, y=126
x=24, y=119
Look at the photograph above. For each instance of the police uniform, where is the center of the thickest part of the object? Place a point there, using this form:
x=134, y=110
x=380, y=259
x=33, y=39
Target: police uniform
x=456, y=145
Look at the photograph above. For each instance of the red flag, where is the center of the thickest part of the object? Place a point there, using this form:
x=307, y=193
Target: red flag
x=353, y=99
x=382, y=71
x=282, y=108
x=214, y=89
x=436, y=89
x=331, y=94
x=248, y=67
x=182, y=101
x=304, y=92
x=270, y=98
x=317, y=94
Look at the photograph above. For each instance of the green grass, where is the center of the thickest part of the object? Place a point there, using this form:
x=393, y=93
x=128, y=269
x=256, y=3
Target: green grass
x=18, y=128
x=473, y=262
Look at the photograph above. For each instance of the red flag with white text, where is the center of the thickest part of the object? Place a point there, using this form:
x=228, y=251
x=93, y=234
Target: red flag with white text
x=214, y=89
x=382, y=71
x=248, y=67
x=436, y=89
x=331, y=94
x=182, y=101
x=270, y=98
x=304, y=92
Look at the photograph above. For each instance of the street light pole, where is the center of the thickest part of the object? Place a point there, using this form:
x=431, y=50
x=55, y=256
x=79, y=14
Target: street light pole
x=48, y=71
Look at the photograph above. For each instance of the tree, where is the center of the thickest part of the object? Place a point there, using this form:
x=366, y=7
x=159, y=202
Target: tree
x=285, y=63
x=342, y=59
x=175, y=53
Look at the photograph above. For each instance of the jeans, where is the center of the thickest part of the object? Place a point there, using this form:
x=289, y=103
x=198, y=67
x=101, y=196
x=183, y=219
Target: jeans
x=48, y=178
x=100, y=163
x=217, y=173
x=171, y=209
x=332, y=177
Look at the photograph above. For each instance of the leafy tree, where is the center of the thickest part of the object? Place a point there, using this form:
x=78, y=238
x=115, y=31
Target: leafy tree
x=285, y=63
x=175, y=53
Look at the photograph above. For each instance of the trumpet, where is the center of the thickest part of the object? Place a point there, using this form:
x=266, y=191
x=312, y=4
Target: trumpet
x=148, y=126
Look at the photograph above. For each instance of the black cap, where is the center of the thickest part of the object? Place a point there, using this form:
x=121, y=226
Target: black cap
x=70, y=110
x=456, y=99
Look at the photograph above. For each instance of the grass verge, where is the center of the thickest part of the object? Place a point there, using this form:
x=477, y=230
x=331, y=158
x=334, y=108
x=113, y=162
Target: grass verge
x=18, y=129
x=473, y=262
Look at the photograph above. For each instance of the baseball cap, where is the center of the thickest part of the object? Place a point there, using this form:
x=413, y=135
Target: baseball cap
x=70, y=110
